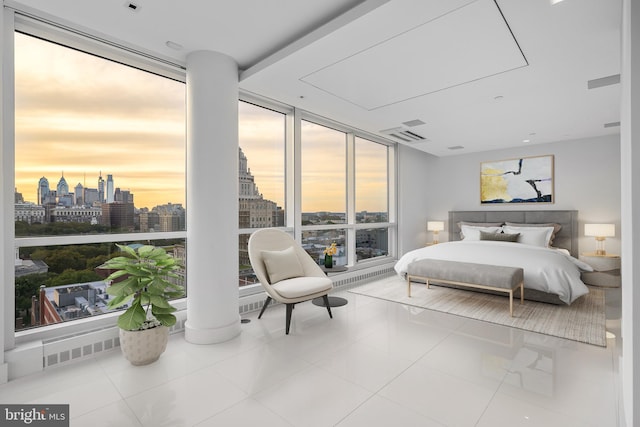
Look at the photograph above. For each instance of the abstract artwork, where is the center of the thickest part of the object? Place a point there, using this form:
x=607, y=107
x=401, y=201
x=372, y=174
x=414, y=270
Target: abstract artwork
x=522, y=180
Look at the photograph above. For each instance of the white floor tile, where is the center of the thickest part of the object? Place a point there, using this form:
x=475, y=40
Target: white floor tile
x=376, y=363
x=439, y=396
x=248, y=412
x=381, y=412
x=313, y=397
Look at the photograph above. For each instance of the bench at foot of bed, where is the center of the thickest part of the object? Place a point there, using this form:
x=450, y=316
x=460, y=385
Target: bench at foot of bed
x=482, y=276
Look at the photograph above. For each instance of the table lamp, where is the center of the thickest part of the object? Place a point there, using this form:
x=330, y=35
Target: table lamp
x=600, y=232
x=435, y=226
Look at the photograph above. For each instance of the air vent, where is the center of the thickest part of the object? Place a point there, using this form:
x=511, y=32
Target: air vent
x=404, y=135
x=412, y=123
x=456, y=147
x=612, y=124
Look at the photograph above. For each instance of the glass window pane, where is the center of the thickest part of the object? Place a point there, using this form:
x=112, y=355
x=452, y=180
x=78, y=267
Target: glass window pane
x=99, y=146
x=371, y=243
x=261, y=167
x=315, y=242
x=62, y=283
x=324, y=177
x=371, y=181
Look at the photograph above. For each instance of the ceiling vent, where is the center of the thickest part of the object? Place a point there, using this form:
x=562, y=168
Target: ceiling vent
x=456, y=147
x=404, y=135
x=612, y=125
x=412, y=123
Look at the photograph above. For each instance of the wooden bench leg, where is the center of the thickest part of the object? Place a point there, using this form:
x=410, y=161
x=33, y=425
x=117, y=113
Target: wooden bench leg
x=511, y=302
x=408, y=286
x=522, y=293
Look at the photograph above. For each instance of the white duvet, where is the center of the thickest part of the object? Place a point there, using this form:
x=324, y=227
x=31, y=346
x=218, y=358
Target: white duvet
x=547, y=270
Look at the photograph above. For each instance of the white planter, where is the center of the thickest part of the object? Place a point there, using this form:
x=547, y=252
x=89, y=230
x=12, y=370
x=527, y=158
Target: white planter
x=144, y=347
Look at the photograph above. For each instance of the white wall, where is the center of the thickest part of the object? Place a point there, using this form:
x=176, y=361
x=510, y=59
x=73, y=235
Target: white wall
x=586, y=178
x=414, y=185
x=630, y=153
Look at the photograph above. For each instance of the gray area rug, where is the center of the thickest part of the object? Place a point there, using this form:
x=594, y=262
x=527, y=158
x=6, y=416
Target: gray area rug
x=582, y=321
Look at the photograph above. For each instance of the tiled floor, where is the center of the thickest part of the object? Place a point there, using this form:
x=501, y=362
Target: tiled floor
x=375, y=364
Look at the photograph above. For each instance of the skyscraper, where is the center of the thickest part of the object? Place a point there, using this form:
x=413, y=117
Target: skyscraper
x=43, y=190
x=100, y=188
x=110, y=189
x=63, y=187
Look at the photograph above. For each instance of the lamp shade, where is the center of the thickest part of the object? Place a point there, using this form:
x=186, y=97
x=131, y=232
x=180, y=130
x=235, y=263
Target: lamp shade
x=435, y=225
x=600, y=230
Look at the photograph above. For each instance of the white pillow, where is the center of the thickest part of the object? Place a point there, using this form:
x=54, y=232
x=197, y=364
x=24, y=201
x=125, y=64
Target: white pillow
x=470, y=232
x=536, y=236
x=282, y=265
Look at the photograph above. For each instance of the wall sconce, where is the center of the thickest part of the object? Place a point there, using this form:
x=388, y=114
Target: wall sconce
x=600, y=232
x=435, y=226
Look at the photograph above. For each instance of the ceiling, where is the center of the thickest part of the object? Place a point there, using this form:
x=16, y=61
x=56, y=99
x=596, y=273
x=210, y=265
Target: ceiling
x=477, y=74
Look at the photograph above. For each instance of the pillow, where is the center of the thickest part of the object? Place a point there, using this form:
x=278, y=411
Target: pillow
x=500, y=237
x=556, y=227
x=473, y=233
x=536, y=236
x=477, y=224
x=282, y=265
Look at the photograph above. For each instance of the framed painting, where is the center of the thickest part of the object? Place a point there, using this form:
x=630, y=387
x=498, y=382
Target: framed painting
x=522, y=180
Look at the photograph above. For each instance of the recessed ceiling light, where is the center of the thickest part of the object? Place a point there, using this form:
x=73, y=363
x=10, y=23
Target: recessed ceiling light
x=133, y=7
x=555, y=1
x=173, y=45
x=526, y=140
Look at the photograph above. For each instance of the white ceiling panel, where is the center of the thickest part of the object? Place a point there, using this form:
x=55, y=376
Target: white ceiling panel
x=458, y=47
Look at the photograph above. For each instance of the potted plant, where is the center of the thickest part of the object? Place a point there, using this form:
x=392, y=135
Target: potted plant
x=144, y=326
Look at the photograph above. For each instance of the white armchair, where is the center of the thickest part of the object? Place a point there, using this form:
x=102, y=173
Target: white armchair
x=286, y=271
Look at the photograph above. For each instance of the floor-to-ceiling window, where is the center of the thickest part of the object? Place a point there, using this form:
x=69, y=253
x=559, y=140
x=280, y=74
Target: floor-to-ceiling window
x=261, y=176
x=371, y=198
x=99, y=160
x=324, y=190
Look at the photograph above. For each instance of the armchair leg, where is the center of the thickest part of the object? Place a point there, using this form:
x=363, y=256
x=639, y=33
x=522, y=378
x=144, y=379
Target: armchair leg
x=325, y=298
x=289, y=310
x=264, y=306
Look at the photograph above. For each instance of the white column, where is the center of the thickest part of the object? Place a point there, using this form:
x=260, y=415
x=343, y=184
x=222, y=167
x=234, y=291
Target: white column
x=630, y=210
x=212, y=198
x=7, y=186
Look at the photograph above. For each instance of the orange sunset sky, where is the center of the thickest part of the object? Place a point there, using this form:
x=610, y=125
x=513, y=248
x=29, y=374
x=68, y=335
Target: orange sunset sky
x=80, y=115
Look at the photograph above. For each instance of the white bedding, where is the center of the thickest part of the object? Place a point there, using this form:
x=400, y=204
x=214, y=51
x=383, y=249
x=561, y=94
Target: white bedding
x=548, y=270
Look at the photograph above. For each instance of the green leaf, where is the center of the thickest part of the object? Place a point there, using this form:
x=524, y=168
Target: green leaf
x=166, y=319
x=128, y=250
x=160, y=310
x=133, y=318
x=126, y=287
x=116, y=274
x=159, y=301
x=145, y=250
x=119, y=300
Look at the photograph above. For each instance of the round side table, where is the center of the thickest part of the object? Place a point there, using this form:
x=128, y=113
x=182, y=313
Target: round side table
x=333, y=301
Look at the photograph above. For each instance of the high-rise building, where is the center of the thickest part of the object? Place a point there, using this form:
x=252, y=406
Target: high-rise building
x=79, y=195
x=101, y=188
x=62, y=187
x=253, y=210
x=110, y=189
x=43, y=191
x=118, y=216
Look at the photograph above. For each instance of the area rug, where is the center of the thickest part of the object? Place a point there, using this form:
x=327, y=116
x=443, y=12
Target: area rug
x=582, y=321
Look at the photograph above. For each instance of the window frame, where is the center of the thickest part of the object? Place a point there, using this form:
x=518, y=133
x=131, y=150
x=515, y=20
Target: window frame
x=91, y=46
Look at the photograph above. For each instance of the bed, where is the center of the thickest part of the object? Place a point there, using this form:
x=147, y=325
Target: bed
x=551, y=274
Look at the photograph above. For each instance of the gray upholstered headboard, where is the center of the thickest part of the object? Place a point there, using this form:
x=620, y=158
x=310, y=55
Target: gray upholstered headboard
x=566, y=238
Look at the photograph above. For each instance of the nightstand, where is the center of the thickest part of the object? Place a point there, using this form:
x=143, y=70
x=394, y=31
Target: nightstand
x=606, y=270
